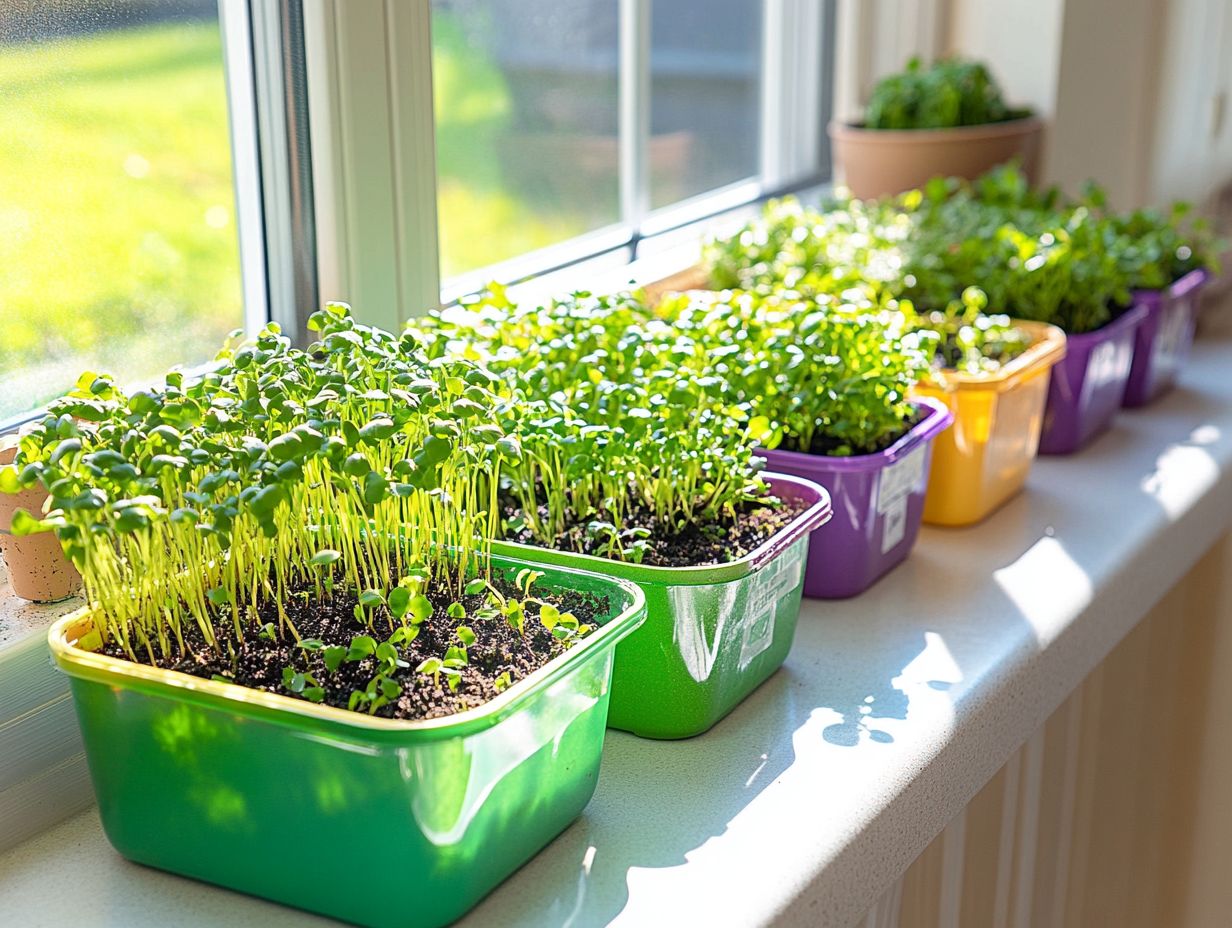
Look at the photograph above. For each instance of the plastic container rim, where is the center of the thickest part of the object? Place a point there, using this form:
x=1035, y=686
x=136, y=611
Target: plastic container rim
x=939, y=418
x=64, y=634
x=1048, y=347
x=1130, y=319
x=1182, y=286
x=816, y=515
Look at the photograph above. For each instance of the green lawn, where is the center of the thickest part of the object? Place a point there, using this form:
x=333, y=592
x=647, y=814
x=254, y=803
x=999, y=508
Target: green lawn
x=118, y=246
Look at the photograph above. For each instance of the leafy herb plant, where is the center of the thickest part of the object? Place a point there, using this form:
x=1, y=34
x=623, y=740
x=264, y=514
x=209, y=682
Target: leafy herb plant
x=1033, y=255
x=623, y=429
x=809, y=374
x=949, y=93
x=206, y=515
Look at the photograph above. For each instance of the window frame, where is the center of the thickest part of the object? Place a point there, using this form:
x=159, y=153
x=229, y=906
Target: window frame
x=370, y=102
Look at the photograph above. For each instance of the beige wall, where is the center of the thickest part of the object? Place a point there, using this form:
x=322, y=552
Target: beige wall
x=1138, y=93
x=1136, y=90
x=1117, y=811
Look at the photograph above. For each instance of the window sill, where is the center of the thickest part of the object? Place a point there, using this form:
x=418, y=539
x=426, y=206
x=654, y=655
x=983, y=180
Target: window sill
x=892, y=711
x=43, y=774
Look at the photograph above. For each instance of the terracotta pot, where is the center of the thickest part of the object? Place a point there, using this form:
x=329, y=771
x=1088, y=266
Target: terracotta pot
x=880, y=162
x=38, y=568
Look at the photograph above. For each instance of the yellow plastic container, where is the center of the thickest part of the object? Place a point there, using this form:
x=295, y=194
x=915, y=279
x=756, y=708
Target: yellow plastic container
x=983, y=459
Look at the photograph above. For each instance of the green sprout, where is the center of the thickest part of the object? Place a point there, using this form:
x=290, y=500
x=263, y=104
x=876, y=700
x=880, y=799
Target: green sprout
x=343, y=465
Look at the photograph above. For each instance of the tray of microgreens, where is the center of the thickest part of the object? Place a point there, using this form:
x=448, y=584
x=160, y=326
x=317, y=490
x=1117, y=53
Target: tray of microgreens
x=292, y=596
x=635, y=462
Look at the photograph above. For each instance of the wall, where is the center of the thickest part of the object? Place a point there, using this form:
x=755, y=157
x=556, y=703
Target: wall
x=1116, y=812
x=1136, y=90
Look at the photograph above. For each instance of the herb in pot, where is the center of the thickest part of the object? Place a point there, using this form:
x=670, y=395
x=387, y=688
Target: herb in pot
x=308, y=522
x=949, y=93
x=629, y=448
x=810, y=374
x=1157, y=247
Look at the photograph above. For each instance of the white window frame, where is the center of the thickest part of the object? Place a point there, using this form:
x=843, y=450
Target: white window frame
x=373, y=149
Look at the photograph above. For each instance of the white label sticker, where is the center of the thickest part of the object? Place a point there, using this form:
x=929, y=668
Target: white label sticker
x=778, y=579
x=1108, y=362
x=900, y=479
x=894, y=525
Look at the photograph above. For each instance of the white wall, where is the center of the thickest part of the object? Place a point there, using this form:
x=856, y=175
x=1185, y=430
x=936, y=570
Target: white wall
x=1137, y=91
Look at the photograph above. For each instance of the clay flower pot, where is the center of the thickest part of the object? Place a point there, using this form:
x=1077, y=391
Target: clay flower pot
x=38, y=568
x=881, y=162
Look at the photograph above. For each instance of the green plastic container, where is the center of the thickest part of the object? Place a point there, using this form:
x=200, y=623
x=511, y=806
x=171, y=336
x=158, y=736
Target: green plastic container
x=712, y=634
x=377, y=822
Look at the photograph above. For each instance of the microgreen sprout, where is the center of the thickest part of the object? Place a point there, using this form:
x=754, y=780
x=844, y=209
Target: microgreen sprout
x=206, y=501
x=615, y=415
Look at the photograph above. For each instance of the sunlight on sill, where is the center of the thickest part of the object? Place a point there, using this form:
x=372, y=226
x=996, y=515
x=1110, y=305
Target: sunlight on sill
x=934, y=667
x=1047, y=586
x=1184, y=473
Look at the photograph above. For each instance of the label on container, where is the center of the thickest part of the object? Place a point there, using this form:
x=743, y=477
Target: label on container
x=776, y=580
x=900, y=479
x=1108, y=362
x=894, y=524
x=1169, y=338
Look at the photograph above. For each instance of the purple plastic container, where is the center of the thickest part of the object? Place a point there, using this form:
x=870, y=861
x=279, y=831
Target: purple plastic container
x=1163, y=339
x=877, y=501
x=1087, y=387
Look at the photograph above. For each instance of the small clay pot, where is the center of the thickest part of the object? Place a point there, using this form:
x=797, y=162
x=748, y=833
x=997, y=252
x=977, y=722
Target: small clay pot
x=38, y=568
x=883, y=162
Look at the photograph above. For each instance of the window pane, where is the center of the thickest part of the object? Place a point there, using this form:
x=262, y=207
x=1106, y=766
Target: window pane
x=118, y=247
x=705, y=96
x=527, y=111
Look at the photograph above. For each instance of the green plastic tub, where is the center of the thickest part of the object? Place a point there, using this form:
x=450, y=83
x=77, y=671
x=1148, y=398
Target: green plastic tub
x=712, y=634
x=389, y=824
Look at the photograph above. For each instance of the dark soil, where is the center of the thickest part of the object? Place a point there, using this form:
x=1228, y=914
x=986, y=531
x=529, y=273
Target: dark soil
x=696, y=546
x=258, y=663
x=828, y=445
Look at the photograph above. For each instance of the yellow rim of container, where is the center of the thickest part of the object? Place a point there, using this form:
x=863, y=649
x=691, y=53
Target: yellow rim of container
x=1047, y=348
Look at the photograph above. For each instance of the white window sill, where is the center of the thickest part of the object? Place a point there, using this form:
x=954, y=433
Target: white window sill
x=811, y=799
x=42, y=765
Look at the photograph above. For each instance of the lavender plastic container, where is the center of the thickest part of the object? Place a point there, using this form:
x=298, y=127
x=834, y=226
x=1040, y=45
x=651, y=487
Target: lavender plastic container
x=1087, y=387
x=877, y=499
x=1162, y=342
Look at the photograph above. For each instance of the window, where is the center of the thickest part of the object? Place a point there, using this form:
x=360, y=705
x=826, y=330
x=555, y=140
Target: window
x=118, y=242
x=526, y=97
x=569, y=128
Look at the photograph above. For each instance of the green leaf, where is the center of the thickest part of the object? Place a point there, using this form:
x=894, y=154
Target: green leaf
x=399, y=601
x=334, y=655
x=478, y=585
x=549, y=615
x=25, y=524
x=404, y=635
x=466, y=635
x=8, y=480
x=362, y=646
x=325, y=557
x=370, y=599
x=375, y=487
x=421, y=608
x=311, y=644
x=218, y=596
